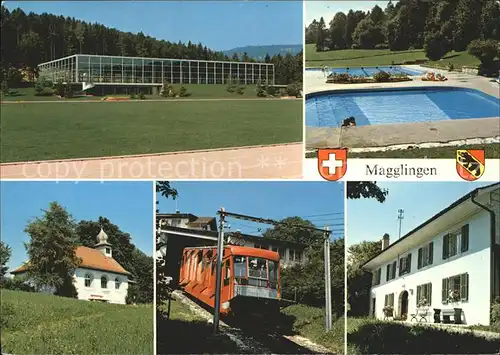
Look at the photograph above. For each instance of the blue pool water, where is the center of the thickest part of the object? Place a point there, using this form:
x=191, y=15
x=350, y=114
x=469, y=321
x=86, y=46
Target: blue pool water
x=369, y=71
x=402, y=105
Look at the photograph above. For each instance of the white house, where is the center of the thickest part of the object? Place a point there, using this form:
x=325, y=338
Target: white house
x=188, y=220
x=99, y=277
x=447, y=269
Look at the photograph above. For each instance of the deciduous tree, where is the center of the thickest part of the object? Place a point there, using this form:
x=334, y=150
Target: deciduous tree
x=51, y=250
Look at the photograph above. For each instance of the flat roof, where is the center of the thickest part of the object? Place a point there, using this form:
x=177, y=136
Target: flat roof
x=160, y=59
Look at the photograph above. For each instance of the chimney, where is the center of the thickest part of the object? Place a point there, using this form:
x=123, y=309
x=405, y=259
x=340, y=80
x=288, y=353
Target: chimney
x=385, y=241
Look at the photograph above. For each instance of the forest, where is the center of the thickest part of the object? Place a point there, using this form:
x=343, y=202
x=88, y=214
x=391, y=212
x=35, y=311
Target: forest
x=31, y=39
x=436, y=26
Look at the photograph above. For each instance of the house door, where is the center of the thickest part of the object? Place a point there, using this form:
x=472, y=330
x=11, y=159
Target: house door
x=404, y=304
x=373, y=306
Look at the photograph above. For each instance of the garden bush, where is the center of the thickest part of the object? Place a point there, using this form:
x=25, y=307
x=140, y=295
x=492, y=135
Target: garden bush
x=495, y=312
x=436, y=46
x=485, y=51
x=44, y=87
x=382, y=46
x=381, y=76
x=294, y=89
x=183, y=92
x=142, y=96
x=240, y=90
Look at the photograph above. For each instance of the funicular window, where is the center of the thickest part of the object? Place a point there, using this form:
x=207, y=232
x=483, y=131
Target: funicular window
x=273, y=274
x=257, y=272
x=227, y=273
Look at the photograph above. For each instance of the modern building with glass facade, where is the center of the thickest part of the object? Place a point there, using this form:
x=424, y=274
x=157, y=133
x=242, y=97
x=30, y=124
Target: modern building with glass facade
x=126, y=74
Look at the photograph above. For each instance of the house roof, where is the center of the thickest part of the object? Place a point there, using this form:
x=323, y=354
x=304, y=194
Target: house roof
x=190, y=216
x=427, y=223
x=201, y=221
x=90, y=259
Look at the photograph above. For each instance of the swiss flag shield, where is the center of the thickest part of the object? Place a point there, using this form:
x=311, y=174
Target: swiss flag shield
x=332, y=163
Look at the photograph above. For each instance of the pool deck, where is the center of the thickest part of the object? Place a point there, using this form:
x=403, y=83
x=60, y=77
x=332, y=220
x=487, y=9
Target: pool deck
x=384, y=135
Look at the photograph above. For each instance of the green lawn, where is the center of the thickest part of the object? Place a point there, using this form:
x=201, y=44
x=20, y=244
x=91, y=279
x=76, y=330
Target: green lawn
x=197, y=91
x=310, y=323
x=376, y=57
x=492, y=151
x=78, y=130
x=371, y=336
x=34, y=323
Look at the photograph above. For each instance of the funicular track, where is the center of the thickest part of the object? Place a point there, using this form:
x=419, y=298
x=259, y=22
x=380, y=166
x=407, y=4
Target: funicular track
x=255, y=336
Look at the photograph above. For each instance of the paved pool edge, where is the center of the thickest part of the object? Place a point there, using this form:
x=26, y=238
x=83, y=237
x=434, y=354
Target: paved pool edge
x=384, y=135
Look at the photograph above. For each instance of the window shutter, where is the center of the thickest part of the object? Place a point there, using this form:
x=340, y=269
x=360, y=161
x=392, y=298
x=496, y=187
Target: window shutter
x=401, y=266
x=445, y=291
x=419, y=261
x=431, y=252
x=446, y=246
x=386, y=300
x=408, y=263
x=464, y=287
x=388, y=272
x=465, y=238
x=379, y=274
x=394, y=270
x=419, y=288
x=429, y=299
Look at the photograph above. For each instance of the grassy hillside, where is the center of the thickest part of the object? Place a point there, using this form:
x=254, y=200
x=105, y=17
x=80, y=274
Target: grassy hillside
x=34, y=323
x=310, y=323
x=379, y=57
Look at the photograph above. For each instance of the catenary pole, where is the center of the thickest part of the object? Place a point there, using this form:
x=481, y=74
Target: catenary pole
x=328, y=283
x=218, y=276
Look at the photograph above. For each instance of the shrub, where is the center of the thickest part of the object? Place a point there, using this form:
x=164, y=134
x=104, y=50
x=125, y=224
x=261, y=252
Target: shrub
x=381, y=76
x=167, y=89
x=485, y=51
x=495, y=313
x=45, y=92
x=436, y=46
x=451, y=67
x=4, y=87
x=44, y=87
x=355, y=46
x=142, y=96
x=382, y=46
x=183, y=92
x=132, y=96
x=294, y=89
x=261, y=92
x=240, y=90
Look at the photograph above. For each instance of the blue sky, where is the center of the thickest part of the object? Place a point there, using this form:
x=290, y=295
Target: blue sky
x=129, y=205
x=219, y=25
x=328, y=9
x=368, y=219
x=275, y=200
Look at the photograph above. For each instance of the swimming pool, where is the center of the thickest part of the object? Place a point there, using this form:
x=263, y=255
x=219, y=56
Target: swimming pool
x=398, y=105
x=370, y=71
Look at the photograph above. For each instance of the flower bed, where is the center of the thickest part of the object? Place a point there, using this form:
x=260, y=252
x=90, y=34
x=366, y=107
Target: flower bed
x=381, y=77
